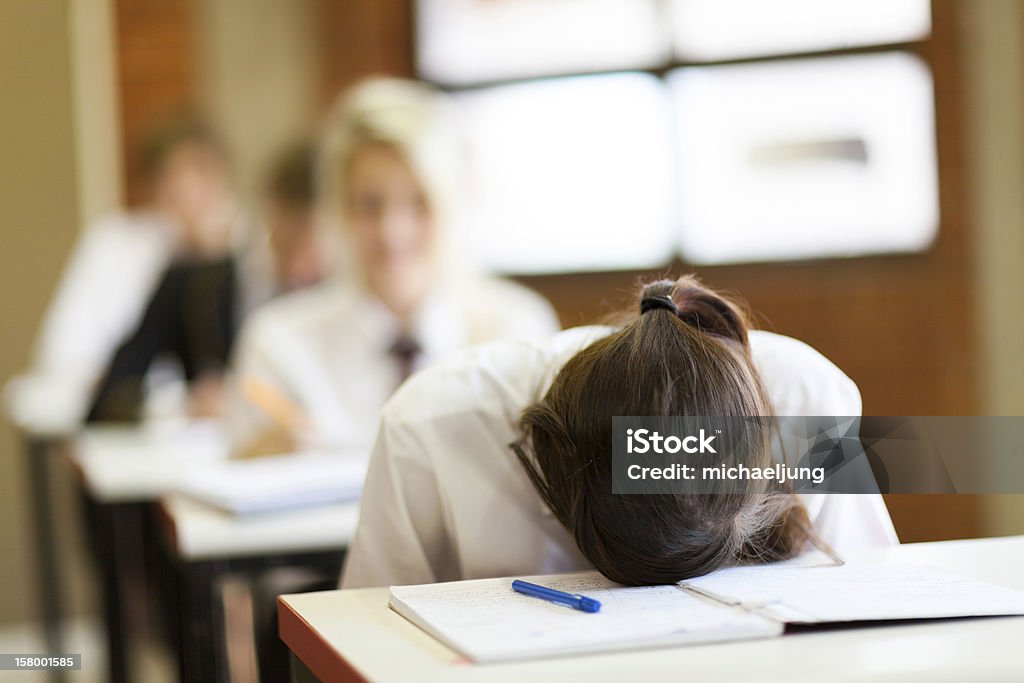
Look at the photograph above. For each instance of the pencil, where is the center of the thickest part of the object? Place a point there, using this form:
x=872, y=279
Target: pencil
x=272, y=401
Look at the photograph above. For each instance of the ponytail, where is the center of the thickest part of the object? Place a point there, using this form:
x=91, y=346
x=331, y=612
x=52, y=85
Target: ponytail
x=684, y=351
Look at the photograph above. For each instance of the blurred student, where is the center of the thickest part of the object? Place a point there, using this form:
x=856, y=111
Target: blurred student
x=289, y=252
x=200, y=301
x=315, y=368
x=124, y=262
x=497, y=462
x=155, y=296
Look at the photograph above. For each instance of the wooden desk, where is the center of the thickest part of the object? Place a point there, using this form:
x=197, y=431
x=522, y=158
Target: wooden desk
x=128, y=478
x=140, y=464
x=206, y=545
x=352, y=636
x=200, y=532
x=122, y=470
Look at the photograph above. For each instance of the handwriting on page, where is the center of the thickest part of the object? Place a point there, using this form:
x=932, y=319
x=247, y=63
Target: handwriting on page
x=488, y=620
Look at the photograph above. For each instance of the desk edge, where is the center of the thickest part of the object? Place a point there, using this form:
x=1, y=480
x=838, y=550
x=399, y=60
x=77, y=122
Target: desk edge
x=321, y=658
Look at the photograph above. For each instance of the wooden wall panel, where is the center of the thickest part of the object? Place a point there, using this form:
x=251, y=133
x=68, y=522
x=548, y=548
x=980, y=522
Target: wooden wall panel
x=156, y=48
x=364, y=37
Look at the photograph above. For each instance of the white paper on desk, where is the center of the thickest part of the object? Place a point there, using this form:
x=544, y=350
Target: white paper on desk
x=857, y=591
x=188, y=441
x=145, y=462
x=278, y=482
x=487, y=621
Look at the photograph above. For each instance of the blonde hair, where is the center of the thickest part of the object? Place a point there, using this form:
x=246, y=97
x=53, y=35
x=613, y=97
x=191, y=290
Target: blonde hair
x=414, y=120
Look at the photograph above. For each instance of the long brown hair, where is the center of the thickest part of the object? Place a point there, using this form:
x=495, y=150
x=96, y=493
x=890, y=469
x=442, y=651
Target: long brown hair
x=691, y=357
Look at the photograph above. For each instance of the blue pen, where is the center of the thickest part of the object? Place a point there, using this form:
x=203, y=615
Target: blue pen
x=580, y=602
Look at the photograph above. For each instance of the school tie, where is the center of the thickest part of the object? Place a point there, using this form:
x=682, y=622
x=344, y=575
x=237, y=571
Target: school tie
x=405, y=350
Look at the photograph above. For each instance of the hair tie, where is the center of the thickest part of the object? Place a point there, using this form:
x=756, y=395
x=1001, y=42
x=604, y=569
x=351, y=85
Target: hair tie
x=651, y=303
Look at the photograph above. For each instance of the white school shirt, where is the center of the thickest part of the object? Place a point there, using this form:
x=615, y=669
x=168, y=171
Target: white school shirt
x=326, y=349
x=446, y=498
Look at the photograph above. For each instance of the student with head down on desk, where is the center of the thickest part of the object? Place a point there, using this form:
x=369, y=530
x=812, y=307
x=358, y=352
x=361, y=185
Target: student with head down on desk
x=497, y=462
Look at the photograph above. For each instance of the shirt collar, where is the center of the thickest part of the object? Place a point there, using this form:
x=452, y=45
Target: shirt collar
x=438, y=326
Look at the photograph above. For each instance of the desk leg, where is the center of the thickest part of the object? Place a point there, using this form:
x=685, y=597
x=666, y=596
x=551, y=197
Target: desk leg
x=203, y=654
x=301, y=672
x=39, y=451
x=116, y=532
x=162, y=566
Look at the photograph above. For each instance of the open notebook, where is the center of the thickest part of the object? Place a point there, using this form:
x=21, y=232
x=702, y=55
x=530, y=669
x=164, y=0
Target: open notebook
x=486, y=620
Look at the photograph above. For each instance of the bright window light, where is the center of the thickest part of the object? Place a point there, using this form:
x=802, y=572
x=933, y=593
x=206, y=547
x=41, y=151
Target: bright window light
x=463, y=42
x=572, y=174
x=805, y=159
x=723, y=29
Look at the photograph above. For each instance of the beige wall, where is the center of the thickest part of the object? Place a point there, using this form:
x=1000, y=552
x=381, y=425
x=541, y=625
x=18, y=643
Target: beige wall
x=39, y=220
x=257, y=62
x=994, y=63
x=96, y=125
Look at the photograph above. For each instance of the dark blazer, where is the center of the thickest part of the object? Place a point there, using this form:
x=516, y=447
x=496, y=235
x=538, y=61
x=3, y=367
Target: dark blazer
x=191, y=318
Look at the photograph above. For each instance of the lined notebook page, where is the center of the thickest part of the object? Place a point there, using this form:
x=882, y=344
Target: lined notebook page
x=487, y=621
x=857, y=592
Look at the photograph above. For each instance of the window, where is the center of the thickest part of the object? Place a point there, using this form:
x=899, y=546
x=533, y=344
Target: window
x=669, y=152
x=805, y=158
x=462, y=42
x=728, y=29
x=572, y=165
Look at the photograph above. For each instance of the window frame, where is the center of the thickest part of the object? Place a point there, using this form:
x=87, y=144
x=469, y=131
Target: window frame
x=923, y=48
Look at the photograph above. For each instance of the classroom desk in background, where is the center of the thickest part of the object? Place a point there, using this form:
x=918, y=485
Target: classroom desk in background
x=133, y=464
x=40, y=448
x=205, y=545
x=122, y=470
x=353, y=636
x=125, y=472
x=45, y=424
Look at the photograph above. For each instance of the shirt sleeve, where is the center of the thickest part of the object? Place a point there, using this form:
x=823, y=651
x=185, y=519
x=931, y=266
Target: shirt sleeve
x=401, y=538
x=539, y=319
x=802, y=382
